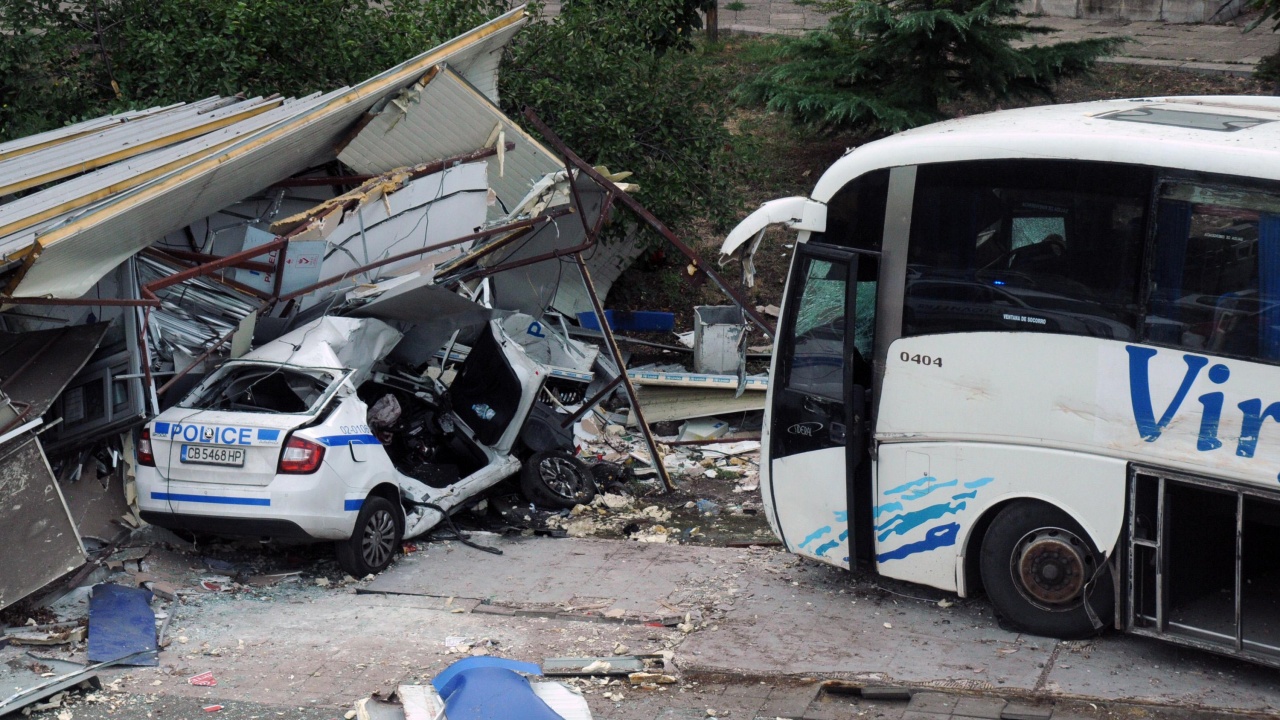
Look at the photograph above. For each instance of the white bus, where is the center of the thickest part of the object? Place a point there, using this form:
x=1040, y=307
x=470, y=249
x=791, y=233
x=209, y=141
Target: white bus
x=1034, y=354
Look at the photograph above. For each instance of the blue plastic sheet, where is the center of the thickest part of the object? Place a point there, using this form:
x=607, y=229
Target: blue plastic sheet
x=121, y=623
x=484, y=688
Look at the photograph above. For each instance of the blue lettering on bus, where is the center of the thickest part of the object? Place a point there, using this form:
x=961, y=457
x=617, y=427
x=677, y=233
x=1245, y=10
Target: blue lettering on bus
x=1149, y=428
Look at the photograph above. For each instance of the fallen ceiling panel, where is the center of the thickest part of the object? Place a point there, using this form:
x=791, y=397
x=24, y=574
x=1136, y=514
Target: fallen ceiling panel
x=31, y=143
x=556, y=284
x=443, y=117
x=429, y=210
x=35, y=527
x=431, y=315
x=22, y=219
x=36, y=366
x=67, y=260
x=125, y=140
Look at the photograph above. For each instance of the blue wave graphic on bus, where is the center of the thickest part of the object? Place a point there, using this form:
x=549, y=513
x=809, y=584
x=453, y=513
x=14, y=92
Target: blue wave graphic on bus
x=905, y=516
x=841, y=516
x=934, y=538
x=906, y=522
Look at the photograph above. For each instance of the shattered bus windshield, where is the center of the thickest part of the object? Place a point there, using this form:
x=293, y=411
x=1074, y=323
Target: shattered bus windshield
x=260, y=388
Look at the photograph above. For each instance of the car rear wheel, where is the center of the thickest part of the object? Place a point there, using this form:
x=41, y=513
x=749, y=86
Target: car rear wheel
x=1043, y=574
x=557, y=479
x=374, y=540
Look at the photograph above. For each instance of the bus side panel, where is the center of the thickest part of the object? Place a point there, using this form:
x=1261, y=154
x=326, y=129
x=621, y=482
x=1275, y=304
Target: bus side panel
x=1179, y=410
x=929, y=496
x=810, y=490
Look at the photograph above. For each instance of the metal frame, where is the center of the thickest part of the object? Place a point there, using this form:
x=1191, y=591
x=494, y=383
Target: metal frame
x=575, y=166
x=1161, y=626
x=615, y=193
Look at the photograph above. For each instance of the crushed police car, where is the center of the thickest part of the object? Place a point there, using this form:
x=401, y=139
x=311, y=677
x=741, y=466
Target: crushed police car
x=312, y=437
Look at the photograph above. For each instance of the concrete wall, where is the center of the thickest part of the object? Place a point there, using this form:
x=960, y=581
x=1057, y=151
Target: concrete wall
x=1170, y=11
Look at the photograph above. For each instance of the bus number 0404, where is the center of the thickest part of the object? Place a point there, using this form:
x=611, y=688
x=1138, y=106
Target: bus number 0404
x=921, y=359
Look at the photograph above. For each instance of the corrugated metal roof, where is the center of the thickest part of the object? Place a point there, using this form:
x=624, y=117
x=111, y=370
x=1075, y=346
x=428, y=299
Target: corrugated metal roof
x=447, y=117
x=31, y=143
x=70, y=258
x=124, y=140
x=22, y=219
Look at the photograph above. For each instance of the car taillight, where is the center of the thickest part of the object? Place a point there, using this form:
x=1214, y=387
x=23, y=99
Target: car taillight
x=301, y=457
x=145, y=456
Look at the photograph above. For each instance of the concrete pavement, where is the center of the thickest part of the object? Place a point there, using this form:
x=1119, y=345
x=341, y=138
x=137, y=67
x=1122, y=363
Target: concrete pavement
x=754, y=633
x=767, y=613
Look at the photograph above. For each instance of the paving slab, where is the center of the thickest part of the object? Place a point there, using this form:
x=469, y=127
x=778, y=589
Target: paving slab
x=771, y=614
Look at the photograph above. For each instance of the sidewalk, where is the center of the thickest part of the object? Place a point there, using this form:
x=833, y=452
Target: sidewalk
x=1202, y=48
x=761, y=632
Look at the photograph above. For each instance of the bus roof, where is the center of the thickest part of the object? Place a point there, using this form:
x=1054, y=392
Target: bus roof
x=1230, y=135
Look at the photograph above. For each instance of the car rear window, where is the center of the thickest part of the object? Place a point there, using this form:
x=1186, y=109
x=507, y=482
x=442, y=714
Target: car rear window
x=259, y=388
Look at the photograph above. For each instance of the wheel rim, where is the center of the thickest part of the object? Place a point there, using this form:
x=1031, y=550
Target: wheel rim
x=561, y=476
x=379, y=538
x=1050, y=568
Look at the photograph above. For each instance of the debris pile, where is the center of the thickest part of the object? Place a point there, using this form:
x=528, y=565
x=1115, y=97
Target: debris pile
x=392, y=289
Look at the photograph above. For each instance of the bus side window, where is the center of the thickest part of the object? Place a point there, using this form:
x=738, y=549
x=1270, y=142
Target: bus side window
x=855, y=214
x=1216, y=272
x=1026, y=245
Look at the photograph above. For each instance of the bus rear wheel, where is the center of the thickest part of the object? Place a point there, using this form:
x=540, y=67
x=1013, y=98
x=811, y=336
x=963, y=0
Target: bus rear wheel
x=1043, y=574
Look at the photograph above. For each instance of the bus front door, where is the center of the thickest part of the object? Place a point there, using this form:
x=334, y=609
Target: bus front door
x=817, y=412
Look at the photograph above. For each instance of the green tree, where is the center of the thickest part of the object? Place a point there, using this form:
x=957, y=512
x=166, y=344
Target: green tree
x=624, y=92
x=1269, y=67
x=888, y=65
x=64, y=61
x=618, y=79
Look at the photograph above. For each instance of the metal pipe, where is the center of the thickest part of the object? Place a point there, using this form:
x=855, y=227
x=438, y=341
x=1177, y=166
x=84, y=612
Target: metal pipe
x=595, y=400
x=87, y=302
x=1239, y=568
x=654, y=456
x=145, y=351
x=514, y=264
x=201, y=258
x=209, y=267
x=203, y=356
x=479, y=252
x=279, y=271
x=219, y=279
x=322, y=181
x=715, y=441
x=649, y=218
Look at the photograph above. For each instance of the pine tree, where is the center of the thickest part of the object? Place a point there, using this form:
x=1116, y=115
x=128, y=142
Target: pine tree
x=888, y=65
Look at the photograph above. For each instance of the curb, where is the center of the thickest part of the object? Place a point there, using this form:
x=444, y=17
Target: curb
x=925, y=700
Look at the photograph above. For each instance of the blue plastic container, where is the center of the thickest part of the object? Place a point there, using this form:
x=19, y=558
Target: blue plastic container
x=622, y=321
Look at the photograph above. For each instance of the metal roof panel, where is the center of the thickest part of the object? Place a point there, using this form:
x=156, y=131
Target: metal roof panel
x=70, y=258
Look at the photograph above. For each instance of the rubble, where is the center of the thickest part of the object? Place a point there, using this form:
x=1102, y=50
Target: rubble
x=142, y=291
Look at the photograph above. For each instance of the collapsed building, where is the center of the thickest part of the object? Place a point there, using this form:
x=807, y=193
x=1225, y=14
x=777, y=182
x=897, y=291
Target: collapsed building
x=141, y=251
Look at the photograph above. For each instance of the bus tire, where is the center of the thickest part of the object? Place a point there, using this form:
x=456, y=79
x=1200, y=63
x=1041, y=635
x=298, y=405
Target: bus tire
x=1039, y=569
x=374, y=540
